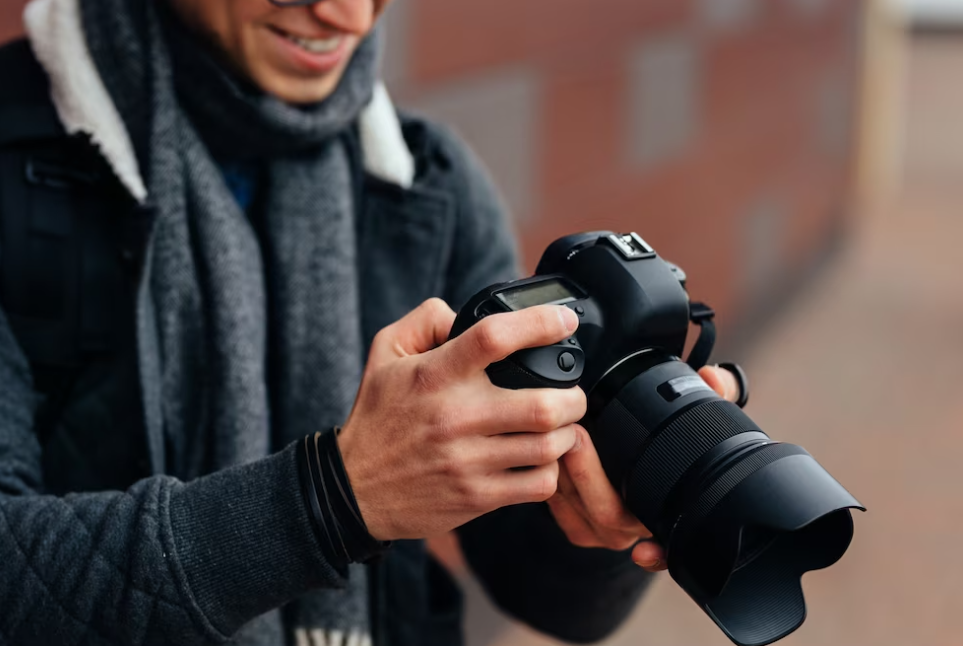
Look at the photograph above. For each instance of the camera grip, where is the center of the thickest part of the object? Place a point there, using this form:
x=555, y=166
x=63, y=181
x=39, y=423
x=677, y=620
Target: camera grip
x=556, y=366
x=533, y=369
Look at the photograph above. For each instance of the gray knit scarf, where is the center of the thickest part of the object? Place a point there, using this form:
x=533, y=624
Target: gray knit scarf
x=249, y=327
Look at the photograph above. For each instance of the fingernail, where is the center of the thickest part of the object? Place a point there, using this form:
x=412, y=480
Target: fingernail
x=569, y=318
x=652, y=565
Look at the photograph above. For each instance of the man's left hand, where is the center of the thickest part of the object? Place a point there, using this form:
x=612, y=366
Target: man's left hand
x=589, y=510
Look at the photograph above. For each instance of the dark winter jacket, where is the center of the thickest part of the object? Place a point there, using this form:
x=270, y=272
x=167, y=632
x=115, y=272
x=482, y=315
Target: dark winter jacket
x=99, y=546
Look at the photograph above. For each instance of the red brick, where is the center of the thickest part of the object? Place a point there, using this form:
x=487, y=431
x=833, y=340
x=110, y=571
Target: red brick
x=452, y=38
x=10, y=21
x=583, y=117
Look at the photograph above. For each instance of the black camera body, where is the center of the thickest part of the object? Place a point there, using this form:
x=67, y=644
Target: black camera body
x=741, y=516
x=623, y=305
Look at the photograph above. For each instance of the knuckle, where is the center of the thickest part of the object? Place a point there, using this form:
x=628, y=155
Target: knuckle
x=578, y=402
x=383, y=336
x=488, y=338
x=436, y=308
x=447, y=423
x=434, y=304
x=545, y=413
x=452, y=466
x=465, y=493
x=545, y=487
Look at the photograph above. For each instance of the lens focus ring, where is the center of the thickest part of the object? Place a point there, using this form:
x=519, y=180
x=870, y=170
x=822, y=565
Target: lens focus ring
x=675, y=449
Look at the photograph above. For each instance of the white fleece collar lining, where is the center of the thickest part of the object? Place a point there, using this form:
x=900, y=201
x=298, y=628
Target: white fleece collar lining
x=79, y=95
x=83, y=103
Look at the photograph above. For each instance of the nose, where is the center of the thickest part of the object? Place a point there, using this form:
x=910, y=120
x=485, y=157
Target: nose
x=351, y=16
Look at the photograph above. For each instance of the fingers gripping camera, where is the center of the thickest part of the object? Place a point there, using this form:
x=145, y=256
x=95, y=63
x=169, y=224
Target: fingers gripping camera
x=741, y=516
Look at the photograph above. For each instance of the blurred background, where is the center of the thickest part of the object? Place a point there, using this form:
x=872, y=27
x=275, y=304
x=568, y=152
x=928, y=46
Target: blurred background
x=803, y=161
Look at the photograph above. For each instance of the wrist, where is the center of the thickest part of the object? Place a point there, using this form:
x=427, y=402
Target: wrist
x=336, y=517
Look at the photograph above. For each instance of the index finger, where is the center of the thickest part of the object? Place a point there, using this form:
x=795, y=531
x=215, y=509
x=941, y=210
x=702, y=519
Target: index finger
x=496, y=337
x=597, y=495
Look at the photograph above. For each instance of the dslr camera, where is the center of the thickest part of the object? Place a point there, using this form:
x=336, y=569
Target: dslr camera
x=742, y=517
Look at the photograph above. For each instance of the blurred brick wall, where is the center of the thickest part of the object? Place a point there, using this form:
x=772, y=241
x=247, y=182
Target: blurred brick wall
x=721, y=130
x=10, y=11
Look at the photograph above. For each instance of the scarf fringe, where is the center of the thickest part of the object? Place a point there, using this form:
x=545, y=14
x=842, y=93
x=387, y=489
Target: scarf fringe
x=318, y=637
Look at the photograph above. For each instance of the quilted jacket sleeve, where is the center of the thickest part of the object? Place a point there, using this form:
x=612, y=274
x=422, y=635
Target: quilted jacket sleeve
x=161, y=563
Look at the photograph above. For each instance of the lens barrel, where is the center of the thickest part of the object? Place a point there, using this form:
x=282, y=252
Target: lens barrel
x=742, y=517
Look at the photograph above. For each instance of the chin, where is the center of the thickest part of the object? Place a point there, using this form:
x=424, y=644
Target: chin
x=299, y=91
x=291, y=78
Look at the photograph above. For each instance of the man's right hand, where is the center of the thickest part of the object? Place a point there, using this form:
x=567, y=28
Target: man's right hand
x=431, y=444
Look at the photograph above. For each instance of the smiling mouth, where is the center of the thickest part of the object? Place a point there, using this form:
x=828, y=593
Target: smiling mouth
x=313, y=45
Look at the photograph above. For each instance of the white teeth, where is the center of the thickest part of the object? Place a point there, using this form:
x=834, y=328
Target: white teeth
x=316, y=45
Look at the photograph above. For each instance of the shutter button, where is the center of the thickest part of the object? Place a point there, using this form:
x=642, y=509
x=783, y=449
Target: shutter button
x=566, y=361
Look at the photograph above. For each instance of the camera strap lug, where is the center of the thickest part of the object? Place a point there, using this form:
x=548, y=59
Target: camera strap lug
x=703, y=316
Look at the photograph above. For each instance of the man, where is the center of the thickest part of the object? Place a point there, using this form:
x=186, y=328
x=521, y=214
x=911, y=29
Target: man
x=187, y=484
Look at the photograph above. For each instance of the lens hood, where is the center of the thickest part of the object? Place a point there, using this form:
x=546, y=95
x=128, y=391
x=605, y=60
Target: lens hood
x=740, y=549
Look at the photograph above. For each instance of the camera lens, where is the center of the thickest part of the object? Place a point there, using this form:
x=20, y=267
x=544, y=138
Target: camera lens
x=742, y=517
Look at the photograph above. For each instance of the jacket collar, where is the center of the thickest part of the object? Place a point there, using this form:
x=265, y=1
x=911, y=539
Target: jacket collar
x=84, y=106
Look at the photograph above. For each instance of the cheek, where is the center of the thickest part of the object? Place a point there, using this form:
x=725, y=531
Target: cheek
x=247, y=22
x=230, y=25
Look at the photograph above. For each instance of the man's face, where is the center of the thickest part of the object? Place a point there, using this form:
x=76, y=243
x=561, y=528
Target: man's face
x=295, y=53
